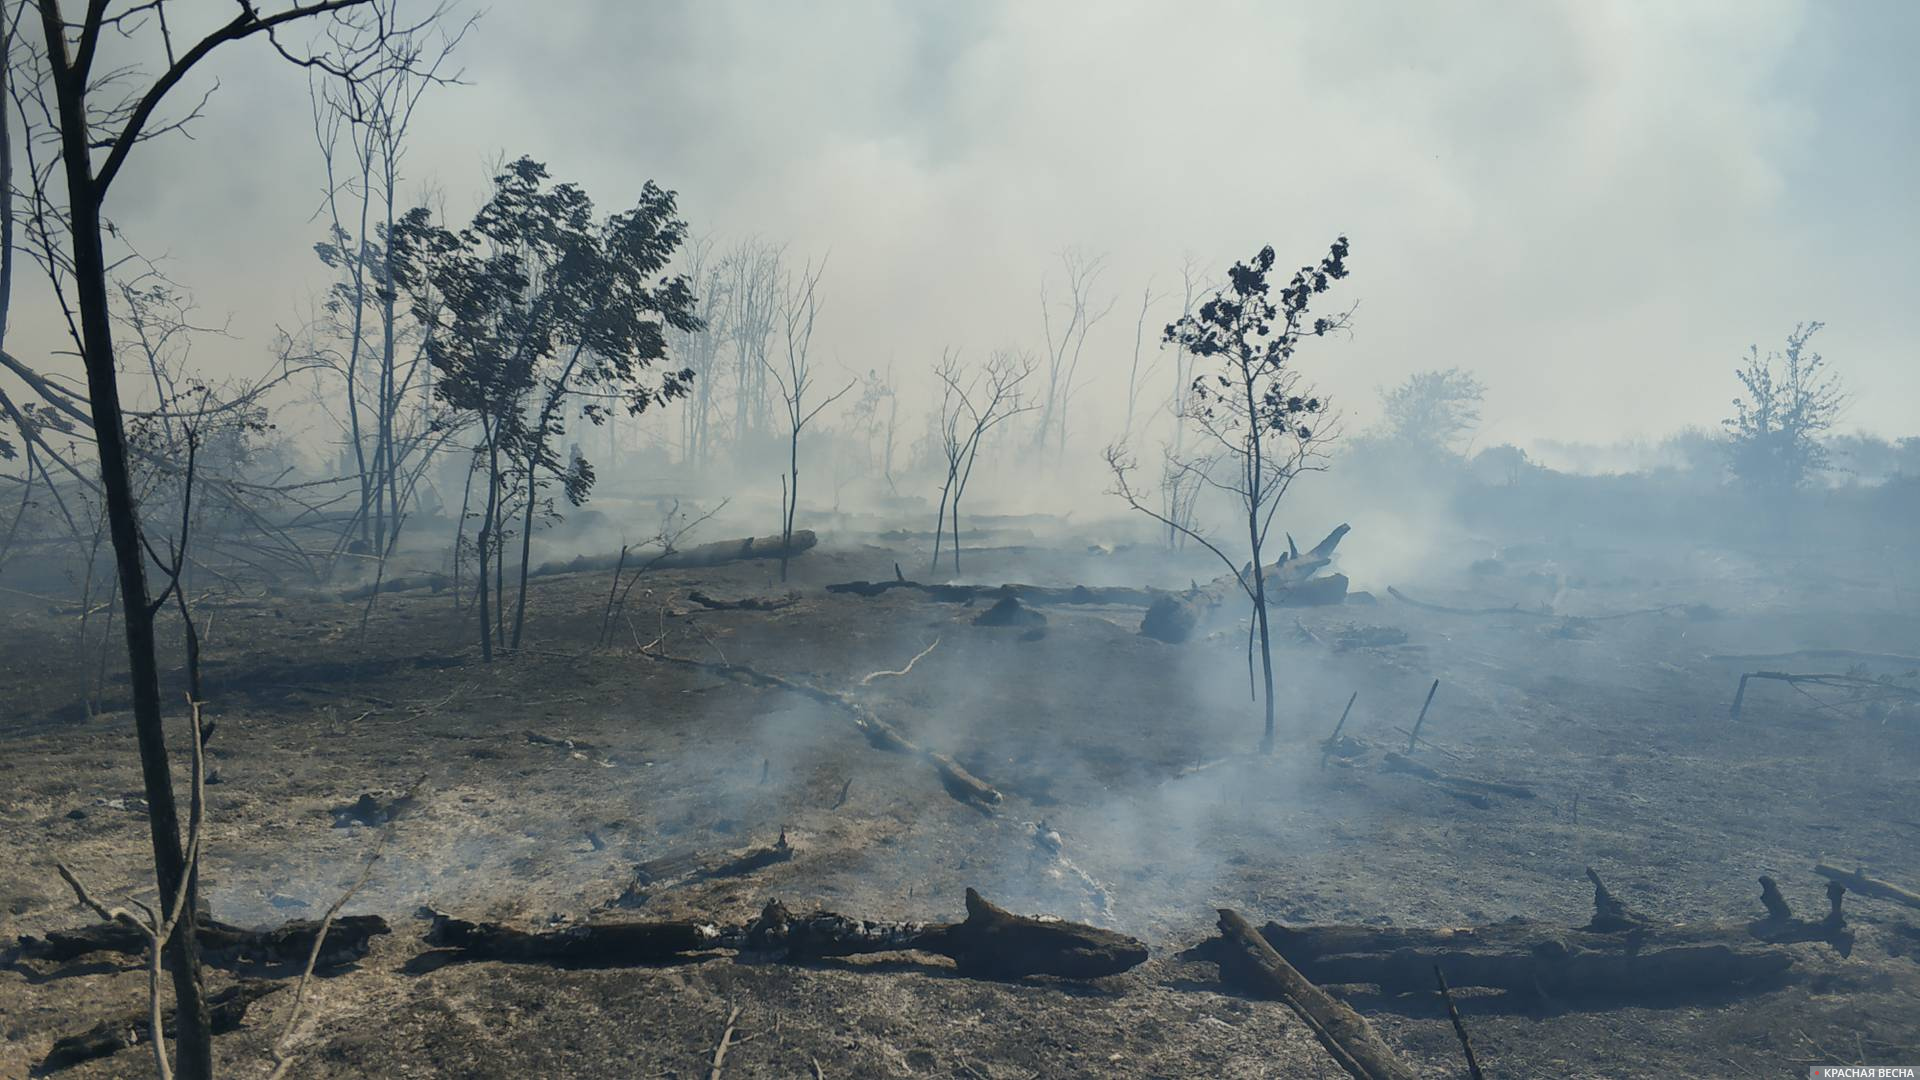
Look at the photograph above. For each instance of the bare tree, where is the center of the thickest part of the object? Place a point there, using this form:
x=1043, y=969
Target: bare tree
x=753, y=297
x=1065, y=346
x=361, y=127
x=972, y=404
x=799, y=308
x=100, y=118
x=1262, y=427
x=700, y=349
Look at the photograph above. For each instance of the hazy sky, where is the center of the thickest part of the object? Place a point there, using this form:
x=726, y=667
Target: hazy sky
x=1595, y=206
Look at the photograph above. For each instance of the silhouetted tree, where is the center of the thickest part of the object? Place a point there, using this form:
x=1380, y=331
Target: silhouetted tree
x=1260, y=426
x=1791, y=400
x=799, y=308
x=101, y=116
x=529, y=305
x=1432, y=410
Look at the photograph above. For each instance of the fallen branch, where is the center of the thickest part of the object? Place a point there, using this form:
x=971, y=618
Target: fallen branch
x=726, y=1039
x=1528, y=613
x=959, y=783
x=1908, y=662
x=1247, y=960
x=1402, y=764
x=1459, y=1025
x=1855, y=683
x=750, y=603
x=868, y=680
x=1859, y=882
x=656, y=876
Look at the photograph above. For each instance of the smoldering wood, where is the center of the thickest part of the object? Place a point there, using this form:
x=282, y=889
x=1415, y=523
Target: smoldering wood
x=954, y=777
x=656, y=876
x=700, y=556
x=1009, y=611
x=1247, y=960
x=226, y=1011
x=1859, y=882
x=221, y=944
x=1618, y=955
x=991, y=943
x=1290, y=582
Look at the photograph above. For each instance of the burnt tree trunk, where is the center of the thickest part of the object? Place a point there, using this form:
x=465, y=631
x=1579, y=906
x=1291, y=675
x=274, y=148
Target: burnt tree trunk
x=84, y=196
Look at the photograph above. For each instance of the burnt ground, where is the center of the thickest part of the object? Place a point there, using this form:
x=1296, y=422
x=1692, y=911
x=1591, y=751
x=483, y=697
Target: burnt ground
x=1114, y=740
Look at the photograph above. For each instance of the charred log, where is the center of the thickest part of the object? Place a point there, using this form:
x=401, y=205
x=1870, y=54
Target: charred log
x=221, y=944
x=226, y=1010
x=750, y=603
x=1290, y=582
x=1030, y=594
x=1634, y=958
x=1248, y=961
x=589, y=945
x=990, y=944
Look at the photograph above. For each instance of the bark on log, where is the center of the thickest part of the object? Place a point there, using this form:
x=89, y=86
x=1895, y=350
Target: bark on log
x=589, y=945
x=1248, y=961
x=1859, y=882
x=990, y=944
x=226, y=1010
x=1176, y=617
x=221, y=944
x=1524, y=956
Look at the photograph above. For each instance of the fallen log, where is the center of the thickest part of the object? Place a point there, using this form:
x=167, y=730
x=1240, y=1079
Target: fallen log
x=222, y=944
x=1289, y=582
x=589, y=945
x=990, y=944
x=717, y=553
x=226, y=1010
x=1617, y=955
x=1859, y=882
x=958, y=782
x=656, y=876
x=750, y=603
x=1858, y=685
x=1892, y=659
x=1395, y=762
x=1117, y=596
x=1528, y=613
x=1248, y=961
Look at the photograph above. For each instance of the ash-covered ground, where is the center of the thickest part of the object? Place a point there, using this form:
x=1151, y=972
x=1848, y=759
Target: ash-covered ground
x=1137, y=754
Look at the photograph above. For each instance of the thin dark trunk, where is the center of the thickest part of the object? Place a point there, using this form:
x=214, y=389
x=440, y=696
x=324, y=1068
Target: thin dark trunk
x=792, y=499
x=485, y=543
x=194, y=1042
x=526, y=553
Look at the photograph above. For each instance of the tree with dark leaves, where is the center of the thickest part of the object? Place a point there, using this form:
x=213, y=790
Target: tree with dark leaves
x=1260, y=426
x=533, y=305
